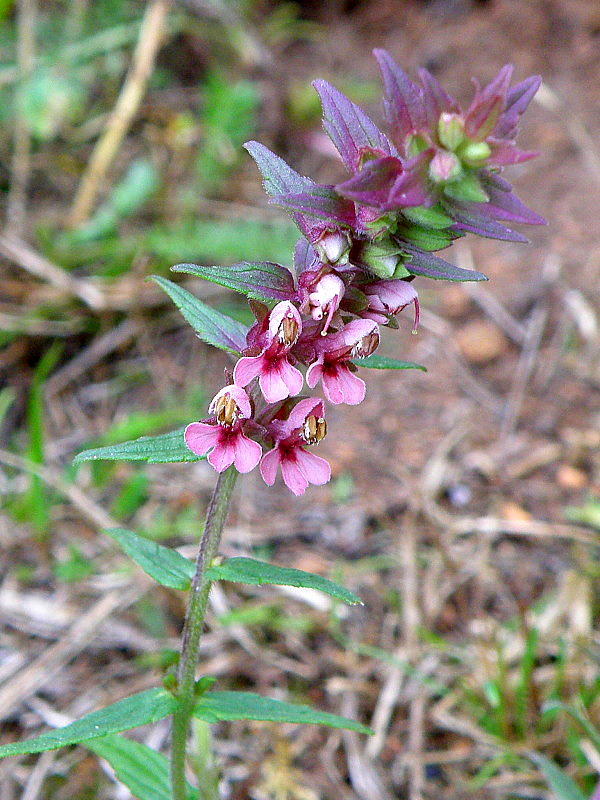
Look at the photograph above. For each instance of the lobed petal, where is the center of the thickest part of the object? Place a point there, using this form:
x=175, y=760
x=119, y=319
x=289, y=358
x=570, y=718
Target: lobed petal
x=269, y=464
x=315, y=469
x=247, y=453
x=246, y=369
x=200, y=437
x=293, y=475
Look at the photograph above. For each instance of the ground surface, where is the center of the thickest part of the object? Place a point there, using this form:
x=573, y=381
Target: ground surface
x=448, y=508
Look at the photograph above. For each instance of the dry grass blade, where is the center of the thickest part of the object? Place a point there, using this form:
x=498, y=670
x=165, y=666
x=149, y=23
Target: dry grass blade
x=125, y=108
x=27, y=258
x=83, y=631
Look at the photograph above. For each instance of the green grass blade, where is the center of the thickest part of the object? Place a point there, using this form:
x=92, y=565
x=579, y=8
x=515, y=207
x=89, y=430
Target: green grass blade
x=258, y=573
x=216, y=706
x=559, y=782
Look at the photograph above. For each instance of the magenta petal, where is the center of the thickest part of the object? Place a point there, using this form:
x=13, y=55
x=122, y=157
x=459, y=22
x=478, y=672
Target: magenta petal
x=310, y=405
x=200, y=437
x=342, y=386
x=316, y=469
x=247, y=453
x=293, y=476
x=314, y=374
x=292, y=377
x=268, y=466
x=223, y=455
x=272, y=385
x=246, y=369
x=332, y=388
x=353, y=388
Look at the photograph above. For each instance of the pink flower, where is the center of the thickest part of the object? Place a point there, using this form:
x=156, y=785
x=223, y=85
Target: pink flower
x=357, y=339
x=224, y=438
x=277, y=378
x=304, y=426
x=387, y=298
x=325, y=298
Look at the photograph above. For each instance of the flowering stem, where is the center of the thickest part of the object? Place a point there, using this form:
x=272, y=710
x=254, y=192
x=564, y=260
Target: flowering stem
x=209, y=544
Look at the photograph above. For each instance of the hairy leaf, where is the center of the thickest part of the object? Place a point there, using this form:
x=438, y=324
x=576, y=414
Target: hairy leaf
x=383, y=362
x=211, y=326
x=248, y=570
x=142, y=770
x=164, y=564
x=278, y=177
x=349, y=128
x=166, y=448
x=261, y=280
x=430, y=266
x=215, y=706
x=131, y=712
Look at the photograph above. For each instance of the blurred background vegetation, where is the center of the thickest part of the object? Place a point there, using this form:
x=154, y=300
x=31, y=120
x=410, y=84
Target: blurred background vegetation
x=476, y=660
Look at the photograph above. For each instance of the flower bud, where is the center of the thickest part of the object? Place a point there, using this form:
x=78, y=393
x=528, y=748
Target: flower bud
x=325, y=298
x=475, y=153
x=381, y=257
x=444, y=166
x=333, y=247
x=451, y=130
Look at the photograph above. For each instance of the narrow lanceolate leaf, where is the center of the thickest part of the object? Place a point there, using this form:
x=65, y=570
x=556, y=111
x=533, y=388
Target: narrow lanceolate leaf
x=563, y=787
x=142, y=770
x=322, y=202
x=257, y=573
x=139, y=709
x=349, y=128
x=278, y=177
x=166, y=448
x=211, y=326
x=216, y=706
x=403, y=103
x=165, y=565
x=383, y=362
x=261, y=280
x=430, y=266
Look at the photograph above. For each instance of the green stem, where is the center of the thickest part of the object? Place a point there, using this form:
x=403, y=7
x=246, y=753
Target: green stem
x=216, y=515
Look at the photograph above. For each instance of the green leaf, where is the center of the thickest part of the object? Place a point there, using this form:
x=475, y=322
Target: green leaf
x=131, y=712
x=211, y=326
x=142, y=770
x=258, y=573
x=164, y=564
x=561, y=784
x=166, y=448
x=261, y=280
x=383, y=362
x=216, y=706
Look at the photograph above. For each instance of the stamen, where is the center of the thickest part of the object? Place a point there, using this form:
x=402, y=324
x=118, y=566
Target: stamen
x=365, y=346
x=288, y=331
x=226, y=410
x=314, y=429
